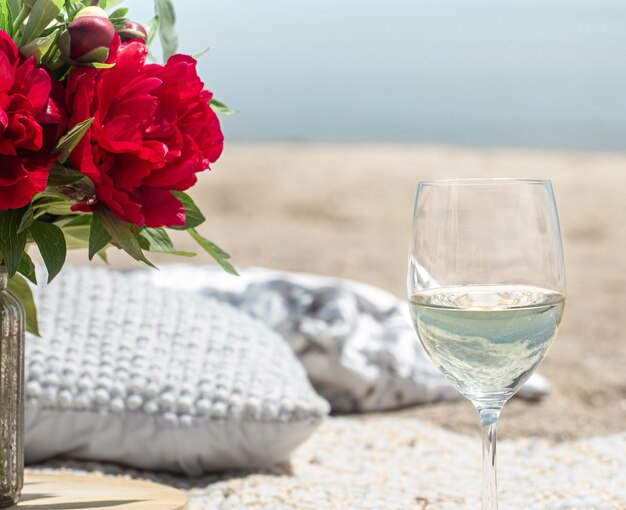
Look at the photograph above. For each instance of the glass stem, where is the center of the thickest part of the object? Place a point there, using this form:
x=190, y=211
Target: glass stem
x=489, y=422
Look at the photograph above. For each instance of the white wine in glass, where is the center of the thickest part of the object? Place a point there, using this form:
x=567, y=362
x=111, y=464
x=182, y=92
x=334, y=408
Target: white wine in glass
x=486, y=289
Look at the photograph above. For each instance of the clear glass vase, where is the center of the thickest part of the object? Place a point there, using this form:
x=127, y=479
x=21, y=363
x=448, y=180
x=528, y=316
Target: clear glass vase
x=12, y=337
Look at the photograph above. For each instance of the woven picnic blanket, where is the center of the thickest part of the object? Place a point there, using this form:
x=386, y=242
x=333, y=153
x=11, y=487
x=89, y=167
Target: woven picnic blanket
x=396, y=463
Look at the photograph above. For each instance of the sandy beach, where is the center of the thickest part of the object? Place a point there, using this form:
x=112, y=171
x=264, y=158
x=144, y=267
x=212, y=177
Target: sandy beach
x=345, y=210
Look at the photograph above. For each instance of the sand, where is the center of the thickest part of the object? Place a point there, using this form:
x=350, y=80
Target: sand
x=345, y=210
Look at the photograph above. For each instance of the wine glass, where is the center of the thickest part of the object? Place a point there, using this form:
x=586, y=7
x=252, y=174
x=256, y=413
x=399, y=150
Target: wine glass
x=486, y=288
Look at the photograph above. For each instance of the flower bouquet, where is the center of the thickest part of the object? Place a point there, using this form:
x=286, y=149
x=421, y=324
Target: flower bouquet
x=97, y=147
x=97, y=144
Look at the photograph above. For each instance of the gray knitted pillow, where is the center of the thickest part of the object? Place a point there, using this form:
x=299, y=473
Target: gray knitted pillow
x=159, y=379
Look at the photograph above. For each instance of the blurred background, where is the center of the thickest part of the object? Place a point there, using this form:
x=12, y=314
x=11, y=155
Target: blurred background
x=345, y=106
x=522, y=73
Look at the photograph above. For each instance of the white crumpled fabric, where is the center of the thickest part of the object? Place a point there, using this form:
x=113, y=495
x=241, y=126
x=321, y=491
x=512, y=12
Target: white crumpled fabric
x=356, y=341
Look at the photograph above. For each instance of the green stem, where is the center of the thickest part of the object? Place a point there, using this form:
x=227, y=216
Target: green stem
x=23, y=14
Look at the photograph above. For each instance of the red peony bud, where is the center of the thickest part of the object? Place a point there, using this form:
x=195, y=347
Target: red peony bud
x=132, y=31
x=89, y=37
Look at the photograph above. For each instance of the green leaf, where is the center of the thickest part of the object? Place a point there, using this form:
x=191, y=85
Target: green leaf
x=167, y=19
x=70, y=140
x=97, y=65
x=14, y=7
x=72, y=7
x=198, y=56
x=27, y=218
x=6, y=23
x=221, y=108
x=118, y=13
x=61, y=176
x=52, y=201
x=157, y=240
x=109, y=4
x=118, y=23
x=118, y=20
x=51, y=243
x=220, y=256
x=21, y=290
x=145, y=245
x=39, y=46
x=152, y=27
x=75, y=219
x=103, y=255
x=76, y=230
x=98, y=237
x=27, y=268
x=12, y=242
x=193, y=215
x=58, y=199
x=122, y=235
x=77, y=238
x=42, y=13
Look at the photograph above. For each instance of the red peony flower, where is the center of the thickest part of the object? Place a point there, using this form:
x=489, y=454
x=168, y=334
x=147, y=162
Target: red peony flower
x=153, y=131
x=31, y=121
